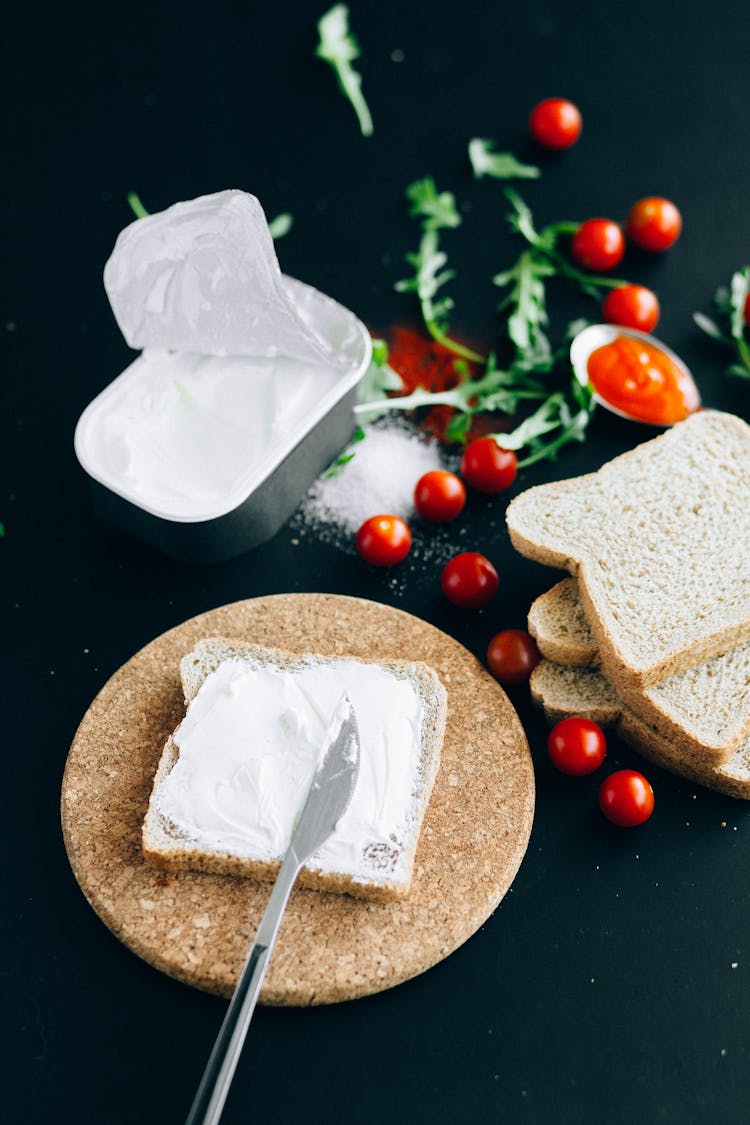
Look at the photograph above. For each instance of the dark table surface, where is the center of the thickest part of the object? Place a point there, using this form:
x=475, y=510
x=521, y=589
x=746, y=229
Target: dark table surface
x=612, y=982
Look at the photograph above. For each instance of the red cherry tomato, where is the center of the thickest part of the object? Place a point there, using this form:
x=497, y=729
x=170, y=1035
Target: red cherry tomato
x=469, y=580
x=555, y=123
x=383, y=540
x=512, y=656
x=626, y=798
x=598, y=245
x=653, y=224
x=487, y=467
x=747, y=309
x=439, y=496
x=576, y=746
x=632, y=306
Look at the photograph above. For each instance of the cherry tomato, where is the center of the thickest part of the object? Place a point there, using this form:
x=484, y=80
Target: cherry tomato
x=487, y=467
x=576, y=746
x=555, y=123
x=598, y=245
x=747, y=310
x=512, y=656
x=383, y=540
x=469, y=580
x=626, y=798
x=439, y=496
x=632, y=306
x=653, y=224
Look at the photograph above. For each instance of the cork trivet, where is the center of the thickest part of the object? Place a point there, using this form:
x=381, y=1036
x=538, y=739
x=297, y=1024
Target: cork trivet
x=331, y=947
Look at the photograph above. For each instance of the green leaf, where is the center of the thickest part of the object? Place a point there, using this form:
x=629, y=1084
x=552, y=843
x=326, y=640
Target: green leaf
x=498, y=165
x=377, y=382
x=435, y=209
x=710, y=327
x=339, y=48
x=520, y=218
x=136, y=206
x=457, y=427
x=343, y=459
x=281, y=225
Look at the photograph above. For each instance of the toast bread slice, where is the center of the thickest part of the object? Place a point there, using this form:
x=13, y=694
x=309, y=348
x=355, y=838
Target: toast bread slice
x=167, y=846
x=564, y=692
x=706, y=708
x=659, y=539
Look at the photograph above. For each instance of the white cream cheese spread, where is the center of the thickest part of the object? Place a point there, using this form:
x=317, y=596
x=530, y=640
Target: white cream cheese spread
x=184, y=435
x=249, y=746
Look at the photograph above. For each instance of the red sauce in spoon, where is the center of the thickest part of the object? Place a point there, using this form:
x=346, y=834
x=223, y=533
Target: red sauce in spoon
x=642, y=381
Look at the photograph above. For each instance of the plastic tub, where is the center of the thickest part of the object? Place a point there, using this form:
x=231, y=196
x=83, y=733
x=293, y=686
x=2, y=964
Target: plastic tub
x=241, y=520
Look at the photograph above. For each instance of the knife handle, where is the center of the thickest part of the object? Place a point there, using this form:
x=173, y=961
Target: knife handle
x=217, y=1077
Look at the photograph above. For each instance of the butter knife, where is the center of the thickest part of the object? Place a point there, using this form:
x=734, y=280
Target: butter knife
x=328, y=799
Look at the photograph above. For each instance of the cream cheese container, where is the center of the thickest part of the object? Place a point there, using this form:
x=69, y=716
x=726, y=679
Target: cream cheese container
x=204, y=455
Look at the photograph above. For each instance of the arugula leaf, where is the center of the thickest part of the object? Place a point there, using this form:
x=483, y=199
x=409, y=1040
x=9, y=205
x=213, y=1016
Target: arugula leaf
x=339, y=48
x=730, y=304
x=436, y=211
x=528, y=300
x=377, y=382
x=343, y=459
x=553, y=416
x=498, y=165
x=136, y=206
x=710, y=327
x=281, y=225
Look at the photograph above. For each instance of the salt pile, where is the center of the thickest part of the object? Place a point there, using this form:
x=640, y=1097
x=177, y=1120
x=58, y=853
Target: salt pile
x=379, y=480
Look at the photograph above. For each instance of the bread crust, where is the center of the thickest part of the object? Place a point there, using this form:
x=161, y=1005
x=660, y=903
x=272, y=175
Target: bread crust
x=731, y=778
x=166, y=848
x=557, y=622
x=561, y=544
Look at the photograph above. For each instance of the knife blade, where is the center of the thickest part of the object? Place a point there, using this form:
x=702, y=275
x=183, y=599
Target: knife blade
x=328, y=799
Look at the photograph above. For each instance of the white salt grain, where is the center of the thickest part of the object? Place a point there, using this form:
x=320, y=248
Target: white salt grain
x=379, y=480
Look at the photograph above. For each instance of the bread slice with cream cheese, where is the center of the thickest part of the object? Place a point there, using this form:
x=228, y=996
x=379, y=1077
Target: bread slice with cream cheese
x=254, y=723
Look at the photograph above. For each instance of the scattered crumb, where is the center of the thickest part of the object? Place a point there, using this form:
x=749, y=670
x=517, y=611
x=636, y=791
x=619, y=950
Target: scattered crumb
x=397, y=55
x=734, y=964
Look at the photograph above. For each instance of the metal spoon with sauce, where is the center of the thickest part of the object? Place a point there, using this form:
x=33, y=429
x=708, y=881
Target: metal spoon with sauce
x=634, y=375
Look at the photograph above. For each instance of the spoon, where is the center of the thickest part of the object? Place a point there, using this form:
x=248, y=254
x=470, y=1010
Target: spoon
x=655, y=393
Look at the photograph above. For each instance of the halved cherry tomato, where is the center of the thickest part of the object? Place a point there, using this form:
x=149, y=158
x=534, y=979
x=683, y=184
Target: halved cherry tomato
x=653, y=224
x=632, y=306
x=626, y=798
x=487, y=467
x=576, y=746
x=469, y=580
x=512, y=656
x=598, y=245
x=555, y=123
x=383, y=540
x=439, y=496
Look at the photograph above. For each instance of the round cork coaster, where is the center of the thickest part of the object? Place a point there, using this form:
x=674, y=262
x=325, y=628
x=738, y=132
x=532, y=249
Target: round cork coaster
x=331, y=947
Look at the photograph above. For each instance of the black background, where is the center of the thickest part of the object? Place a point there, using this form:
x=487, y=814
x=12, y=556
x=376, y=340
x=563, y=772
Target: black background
x=612, y=982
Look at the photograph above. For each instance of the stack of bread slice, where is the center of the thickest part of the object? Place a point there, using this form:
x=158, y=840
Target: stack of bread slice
x=652, y=634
